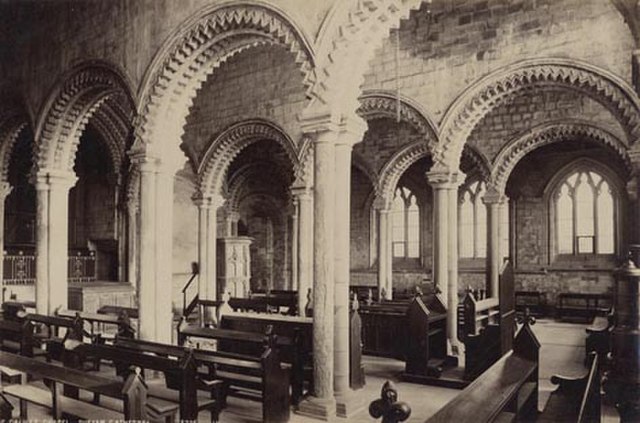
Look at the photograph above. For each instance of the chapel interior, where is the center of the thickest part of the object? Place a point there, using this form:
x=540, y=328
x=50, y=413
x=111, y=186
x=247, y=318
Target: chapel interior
x=320, y=210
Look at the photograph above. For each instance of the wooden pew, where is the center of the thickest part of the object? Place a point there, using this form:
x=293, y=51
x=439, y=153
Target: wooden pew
x=97, y=322
x=598, y=338
x=290, y=350
x=486, y=326
x=533, y=300
x=384, y=329
x=260, y=378
x=582, y=306
x=270, y=302
x=117, y=310
x=506, y=392
x=132, y=392
x=426, y=342
x=575, y=399
x=18, y=337
x=179, y=372
x=48, y=334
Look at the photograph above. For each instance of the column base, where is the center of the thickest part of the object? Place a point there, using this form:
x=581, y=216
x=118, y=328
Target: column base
x=318, y=408
x=348, y=404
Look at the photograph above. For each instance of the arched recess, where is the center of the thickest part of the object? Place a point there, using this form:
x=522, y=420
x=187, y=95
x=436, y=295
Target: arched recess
x=202, y=44
x=547, y=134
x=346, y=42
x=500, y=86
x=11, y=124
x=478, y=162
x=397, y=165
x=83, y=91
x=230, y=143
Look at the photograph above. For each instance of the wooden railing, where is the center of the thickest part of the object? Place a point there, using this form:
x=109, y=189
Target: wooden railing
x=20, y=267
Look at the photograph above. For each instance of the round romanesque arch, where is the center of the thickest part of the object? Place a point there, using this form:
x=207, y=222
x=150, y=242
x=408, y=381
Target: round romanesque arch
x=83, y=91
x=494, y=89
x=396, y=166
x=345, y=44
x=517, y=148
x=12, y=123
x=201, y=45
x=226, y=146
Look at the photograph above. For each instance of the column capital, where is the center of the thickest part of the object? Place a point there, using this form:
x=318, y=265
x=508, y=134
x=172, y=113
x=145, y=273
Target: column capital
x=53, y=178
x=301, y=192
x=201, y=201
x=381, y=203
x=440, y=179
x=493, y=196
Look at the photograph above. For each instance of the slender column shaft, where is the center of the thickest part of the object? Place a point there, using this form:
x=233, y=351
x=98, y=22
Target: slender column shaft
x=147, y=284
x=132, y=237
x=203, y=241
x=323, y=269
x=58, y=243
x=452, y=297
x=164, y=255
x=493, y=247
x=441, y=234
x=342, y=232
x=5, y=190
x=305, y=253
x=389, y=257
x=294, y=245
x=383, y=249
x=212, y=281
x=42, y=247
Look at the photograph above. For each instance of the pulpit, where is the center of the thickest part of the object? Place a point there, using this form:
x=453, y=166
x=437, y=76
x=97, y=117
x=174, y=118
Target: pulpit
x=622, y=380
x=234, y=265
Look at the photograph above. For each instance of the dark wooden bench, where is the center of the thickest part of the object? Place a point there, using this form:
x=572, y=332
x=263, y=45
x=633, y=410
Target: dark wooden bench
x=532, y=300
x=18, y=337
x=260, y=378
x=98, y=322
x=132, y=392
x=575, y=399
x=582, y=306
x=266, y=303
x=384, y=328
x=180, y=375
x=117, y=310
x=506, y=392
x=598, y=338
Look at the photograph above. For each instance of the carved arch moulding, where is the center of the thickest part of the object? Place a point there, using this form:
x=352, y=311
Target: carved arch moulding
x=396, y=166
x=497, y=88
x=209, y=39
x=546, y=134
x=70, y=106
x=230, y=143
x=11, y=125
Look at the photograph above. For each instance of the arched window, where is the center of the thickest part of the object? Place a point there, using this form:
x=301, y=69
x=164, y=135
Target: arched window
x=405, y=218
x=473, y=222
x=585, y=214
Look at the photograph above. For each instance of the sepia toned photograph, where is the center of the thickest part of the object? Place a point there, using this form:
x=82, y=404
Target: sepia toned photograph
x=357, y=211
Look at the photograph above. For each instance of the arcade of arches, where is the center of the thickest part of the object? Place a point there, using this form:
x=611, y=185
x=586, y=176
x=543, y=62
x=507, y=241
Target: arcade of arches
x=388, y=143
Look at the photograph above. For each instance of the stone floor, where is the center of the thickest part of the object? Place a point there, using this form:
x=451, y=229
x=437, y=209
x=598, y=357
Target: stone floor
x=562, y=352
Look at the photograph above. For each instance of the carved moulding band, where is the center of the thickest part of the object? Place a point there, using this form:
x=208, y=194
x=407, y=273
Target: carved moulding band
x=495, y=89
x=550, y=133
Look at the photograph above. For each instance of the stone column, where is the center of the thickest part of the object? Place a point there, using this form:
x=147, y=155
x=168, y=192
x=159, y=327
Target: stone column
x=5, y=190
x=212, y=234
x=441, y=184
x=494, y=201
x=452, y=288
x=132, y=236
x=204, y=204
x=294, y=244
x=52, y=239
x=322, y=403
x=303, y=196
x=384, y=248
x=147, y=283
x=164, y=253
x=342, y=235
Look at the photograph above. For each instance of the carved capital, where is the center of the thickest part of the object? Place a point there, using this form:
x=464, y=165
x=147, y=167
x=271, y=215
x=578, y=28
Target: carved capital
x=442, y=180
x=5, y=190
x=493, y=196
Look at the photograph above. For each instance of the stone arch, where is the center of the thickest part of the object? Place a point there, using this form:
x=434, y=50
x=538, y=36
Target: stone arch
x=72, y=102
x=375, y=104
x=494, y=89
x=360, y=163
x=115, y=129
x=550, y=133
x=479, y=160
x=346, y=42
x=11, y=126
x=226, y=146
x=195, y=50
x=397, y=165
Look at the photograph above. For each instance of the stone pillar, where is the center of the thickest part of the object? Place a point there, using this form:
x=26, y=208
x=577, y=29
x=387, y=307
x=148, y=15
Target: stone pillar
x=294, y=244
x=494, y=202
x=345, y=400
x=452, y=288
x=5, y=190
x=204, y=204
x=164, y=253
x=303, y=196
x=132, y=237
x=322, y=403
x=147, y=283
x=441, y=184
x=52, y=240
x=385, y=258
x=211, y=256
